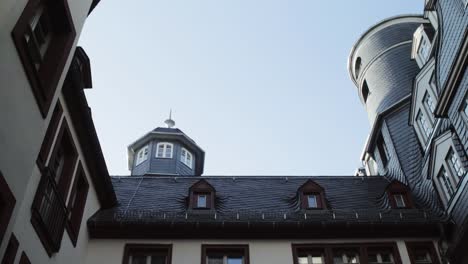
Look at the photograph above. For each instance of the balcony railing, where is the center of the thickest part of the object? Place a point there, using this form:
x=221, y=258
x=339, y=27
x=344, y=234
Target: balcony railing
x=49, y=213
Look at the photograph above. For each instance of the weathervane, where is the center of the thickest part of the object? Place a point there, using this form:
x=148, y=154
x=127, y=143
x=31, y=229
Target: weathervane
x=169, y=122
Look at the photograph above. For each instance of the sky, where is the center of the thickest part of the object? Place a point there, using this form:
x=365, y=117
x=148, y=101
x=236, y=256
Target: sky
x=262, y=86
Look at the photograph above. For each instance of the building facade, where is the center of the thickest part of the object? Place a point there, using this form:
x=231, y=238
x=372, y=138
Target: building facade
x=408, y=203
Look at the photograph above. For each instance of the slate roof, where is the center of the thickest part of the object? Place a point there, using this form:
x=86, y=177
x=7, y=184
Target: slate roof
x=154, y=200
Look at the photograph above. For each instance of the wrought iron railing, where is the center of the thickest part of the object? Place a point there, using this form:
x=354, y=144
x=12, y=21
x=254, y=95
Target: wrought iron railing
x=49, y=212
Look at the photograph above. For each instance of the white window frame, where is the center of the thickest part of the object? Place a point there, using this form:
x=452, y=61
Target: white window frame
x=310, y=258
x=142, y=155
x=186, y=157
x=453, y=159
x=441, y=160
x=424, y=125
x=428, y=102
x=424, y=49
x=148, y=259
x=167, y=150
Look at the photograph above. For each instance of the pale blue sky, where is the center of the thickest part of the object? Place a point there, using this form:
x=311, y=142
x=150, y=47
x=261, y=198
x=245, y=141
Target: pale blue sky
x=261, y=85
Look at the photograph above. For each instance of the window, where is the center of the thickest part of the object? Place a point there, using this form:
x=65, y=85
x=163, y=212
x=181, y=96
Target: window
x=424, y=124
x=186, y=157
x=383, y=150
x=424, y=48
x=164, y=150
x=399, y=195
x=142, y=155
x=345, y=256
x=312, y=201
x=365, y=91
x=201, y=200
x=445, y=183
x=455, y=163
x=147, y=254
x=311, y=257
x=399, y=200
x=225, y=254
x=44, y=36
x=48, y=212
x=312, y=196
x=201, y=195
x=7, y=205
x=429, y=102
x=11, y=250
x=384, y=253
x=357, y=67
x=76, y=204
x=380, y=257
x=422, y=253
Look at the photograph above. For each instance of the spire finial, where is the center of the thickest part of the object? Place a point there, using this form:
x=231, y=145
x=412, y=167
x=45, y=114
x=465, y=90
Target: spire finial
x=169, y=122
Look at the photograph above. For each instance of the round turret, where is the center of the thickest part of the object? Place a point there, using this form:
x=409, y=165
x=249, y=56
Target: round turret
x=380, y=63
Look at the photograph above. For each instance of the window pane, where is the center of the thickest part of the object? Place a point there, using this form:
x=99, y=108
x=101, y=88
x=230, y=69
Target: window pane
x=158, y=260
x=318, y=260
x=235, y=260
x=312, y=201
x=303, y=260
x=400, y=201
x=346, y=257
x=168, y=153
x=201, y=202
x=422, y=257
x=138, y=260
x=215, y=260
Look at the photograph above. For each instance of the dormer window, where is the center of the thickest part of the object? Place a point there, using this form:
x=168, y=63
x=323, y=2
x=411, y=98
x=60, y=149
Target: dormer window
x=399, y=195
x=186, y=158
x=429, y=102
x=142, y=155
x=424, y=125
x=312, y=196
x=424, y=48
x=455, y=164
x=201, y=195
x=446, y=168
x=164, y=150
x=445, y=183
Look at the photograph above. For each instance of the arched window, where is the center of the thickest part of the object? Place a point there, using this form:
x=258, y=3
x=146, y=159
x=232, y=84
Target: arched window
x=365, y=91
x=357, y=67
x=186, y=157
x=164, y=150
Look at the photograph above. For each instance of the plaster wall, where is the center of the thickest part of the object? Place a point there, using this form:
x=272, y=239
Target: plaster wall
x=23, y=127
x=189, y=251
x=28, y=239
